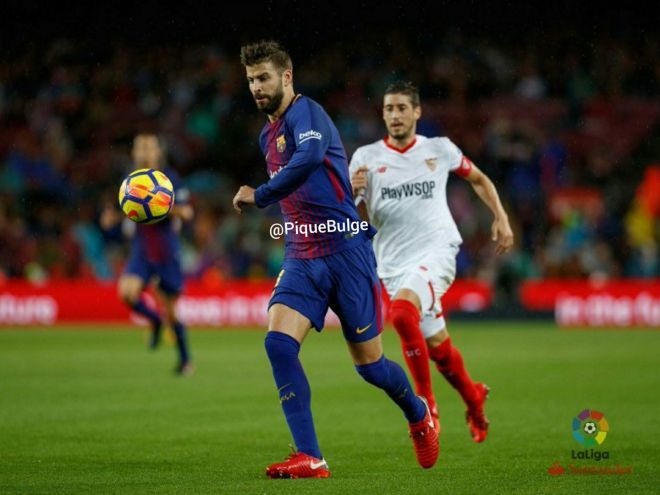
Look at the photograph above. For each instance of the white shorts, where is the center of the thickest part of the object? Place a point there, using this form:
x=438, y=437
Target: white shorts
x=430, y=280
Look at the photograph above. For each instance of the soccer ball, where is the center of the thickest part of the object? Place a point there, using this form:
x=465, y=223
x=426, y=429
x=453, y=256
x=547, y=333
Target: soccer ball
x=589, y=428
x=146, y=195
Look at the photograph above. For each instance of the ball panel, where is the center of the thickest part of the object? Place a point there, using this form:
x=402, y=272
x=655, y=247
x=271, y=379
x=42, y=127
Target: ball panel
x=122, y=192
x=163, y=180
x=161, y=204
x=140, y=171
x=134, y=210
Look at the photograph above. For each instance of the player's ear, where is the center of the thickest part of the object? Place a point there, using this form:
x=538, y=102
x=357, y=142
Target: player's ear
x=287, y=77
x=417, y=112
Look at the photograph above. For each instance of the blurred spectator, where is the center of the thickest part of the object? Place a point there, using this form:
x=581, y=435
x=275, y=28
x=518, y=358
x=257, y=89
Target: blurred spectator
x=539, y=121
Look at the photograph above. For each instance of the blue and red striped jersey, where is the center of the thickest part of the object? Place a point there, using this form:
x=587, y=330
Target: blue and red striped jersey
x=160, y=241
x=308, y=171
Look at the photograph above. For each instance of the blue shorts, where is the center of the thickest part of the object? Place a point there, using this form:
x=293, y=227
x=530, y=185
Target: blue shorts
x=170, y=276
x=346, y=282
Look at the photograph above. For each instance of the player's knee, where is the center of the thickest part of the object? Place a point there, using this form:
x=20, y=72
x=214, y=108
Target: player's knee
x=437, y=338
x=130, y=297
x=280, y=346
x=130, y=289
x=405, y=318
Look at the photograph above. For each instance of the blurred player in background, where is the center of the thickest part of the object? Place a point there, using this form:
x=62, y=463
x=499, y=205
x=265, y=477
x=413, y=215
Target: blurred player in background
x=155, y=253
x=401, y=180
x=308, y=171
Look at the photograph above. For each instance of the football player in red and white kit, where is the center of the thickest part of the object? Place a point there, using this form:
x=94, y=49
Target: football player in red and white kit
x=401, y=183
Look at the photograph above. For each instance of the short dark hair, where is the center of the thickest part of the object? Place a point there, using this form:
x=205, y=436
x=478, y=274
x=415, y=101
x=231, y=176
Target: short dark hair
x=266, y=51
x=404, y=88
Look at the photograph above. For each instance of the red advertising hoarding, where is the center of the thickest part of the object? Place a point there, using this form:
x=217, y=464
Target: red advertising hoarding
x=235, y=303
x=621, y=303
x=612, y=303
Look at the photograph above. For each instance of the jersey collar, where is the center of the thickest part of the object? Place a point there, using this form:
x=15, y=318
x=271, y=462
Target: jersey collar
x=386, y=140
x=281, y=117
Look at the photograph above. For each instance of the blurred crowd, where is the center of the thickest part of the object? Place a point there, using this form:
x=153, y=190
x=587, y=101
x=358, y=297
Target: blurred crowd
x=566, y=129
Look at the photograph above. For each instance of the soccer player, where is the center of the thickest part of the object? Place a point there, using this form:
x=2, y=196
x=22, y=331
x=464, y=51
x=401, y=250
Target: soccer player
x=326, y=264
x=156, y=253
x=401, y=181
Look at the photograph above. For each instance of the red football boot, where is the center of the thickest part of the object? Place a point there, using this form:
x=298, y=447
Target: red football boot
x=299, y=465
x=476, y=419
x=425, y=439
x=436, y=418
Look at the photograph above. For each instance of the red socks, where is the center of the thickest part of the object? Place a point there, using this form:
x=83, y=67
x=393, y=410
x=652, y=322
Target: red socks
x=449, y=362
x=405, y=317
x=448, y=359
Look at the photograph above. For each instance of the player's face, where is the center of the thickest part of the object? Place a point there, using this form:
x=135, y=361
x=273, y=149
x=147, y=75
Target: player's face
x=267, y=86
x=400, y=116
x=146, y=151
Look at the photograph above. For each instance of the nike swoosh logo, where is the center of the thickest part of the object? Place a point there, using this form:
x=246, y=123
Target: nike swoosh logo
x=430, y=421
x=283, y=386
x=316, y=465
x=363, y=329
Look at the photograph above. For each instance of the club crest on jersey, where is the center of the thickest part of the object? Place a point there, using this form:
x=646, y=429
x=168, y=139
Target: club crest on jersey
x=381, y=170
x=431, y=163
x=281, y=143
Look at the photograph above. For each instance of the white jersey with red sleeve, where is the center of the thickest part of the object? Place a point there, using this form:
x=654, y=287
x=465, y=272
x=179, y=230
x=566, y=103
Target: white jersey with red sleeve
x=406, y=200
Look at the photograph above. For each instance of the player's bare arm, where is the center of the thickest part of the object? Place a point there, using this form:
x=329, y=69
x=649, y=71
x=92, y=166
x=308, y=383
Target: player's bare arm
x=359, y=180
x=500, y=230
x=359, y=184
x=184, y=212
x=244, y=196
x=110, y=217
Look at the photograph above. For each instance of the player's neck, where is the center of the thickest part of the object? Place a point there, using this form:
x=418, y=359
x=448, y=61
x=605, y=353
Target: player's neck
x=402, y=143
x=287, y=100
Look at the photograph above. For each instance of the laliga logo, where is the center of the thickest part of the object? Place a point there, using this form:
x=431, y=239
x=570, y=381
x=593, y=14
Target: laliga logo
x=590, y=429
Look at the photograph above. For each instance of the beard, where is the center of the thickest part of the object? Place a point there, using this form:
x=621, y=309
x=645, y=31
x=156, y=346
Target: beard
x=401, y=133
x=273, y=102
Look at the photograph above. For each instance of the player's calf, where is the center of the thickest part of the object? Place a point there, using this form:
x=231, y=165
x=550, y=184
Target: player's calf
x=293, y=389
x=390, y=377
x=154, y=318
x=406, y=318
x=449, y=362
x=155, y=335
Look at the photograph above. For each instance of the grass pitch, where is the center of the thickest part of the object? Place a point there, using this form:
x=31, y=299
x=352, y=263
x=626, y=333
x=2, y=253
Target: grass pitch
x=95, y=412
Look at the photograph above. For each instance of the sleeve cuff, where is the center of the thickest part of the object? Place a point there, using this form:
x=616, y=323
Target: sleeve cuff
x=259, y=196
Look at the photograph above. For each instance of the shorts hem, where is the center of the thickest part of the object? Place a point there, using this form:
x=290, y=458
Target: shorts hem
x=315, y=324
